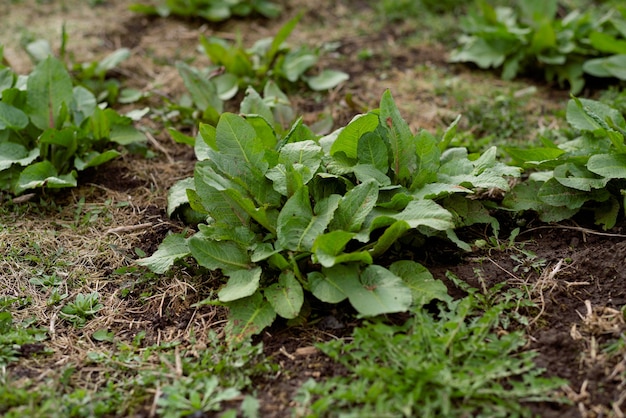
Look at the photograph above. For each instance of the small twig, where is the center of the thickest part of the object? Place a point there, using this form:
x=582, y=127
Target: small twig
x=129, y=228
x=575, y=228
x=159, y=147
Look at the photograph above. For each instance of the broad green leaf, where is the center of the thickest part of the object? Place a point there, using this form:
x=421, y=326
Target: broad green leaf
x=227, y=86
x=112, y=60
x=12, y=153
x=94, y=158
x=480, y=52
x=253, y=104
x=605, y=42
x=327, y=80
x=328, y=250
x=177, y=194
x=180, y=137
x=611, y=166
x=241, y=284
x=12, y=117
x=607, y=214
x=286, y=296
x=173, y=248
x=419, y=213
x=371, y=150
x=536, y=157
x=575, y=177
x=589, y=115
x=400, y=138
x=555, y=194
x=297, y=63
x=126, y=135
x=49, y=86
x=236, y=139
x=348, y=139
x=85, y=102
x=354, y=207
x=203, y=92
x=329, y=284
x=378, y=292
x=366, y=173
x=428, y=156
x=299, y=225
x=250, y=316
x=612, y=66
x=226, y=255
x=524, y=196
x=43, y=174
x=424, y=287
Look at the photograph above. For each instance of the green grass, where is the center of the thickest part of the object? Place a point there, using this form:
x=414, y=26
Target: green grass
x=459, y=360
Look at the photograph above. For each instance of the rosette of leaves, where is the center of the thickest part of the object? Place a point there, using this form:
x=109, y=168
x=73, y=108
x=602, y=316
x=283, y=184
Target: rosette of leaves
x=587, y=173
x=211, y=10
x=298, y=216
x=269, y=59
x=51, y=129
x=531, y=38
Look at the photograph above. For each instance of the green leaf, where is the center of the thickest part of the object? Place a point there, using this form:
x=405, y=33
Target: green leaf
x=126, y=135
x=428, y=156
x=281, y=36
x=424, y=287
x=328, y=285
x=203, y=92
x=419, y=213
x=605, y=42
x=49, y=87
x=43, y=174
x=575, y=177
x=391, y=235
x=226, y=255
x=94, y=158
x=327, y=80
x=12, y=117
x=173, y=248
x=378, y=292
x=371, y=150
x=348, y=139
x=536, y=157
x=177, y=194
x=296, y=64
x=299, y=225
x=611, y=166
x=355, y=206
x=237, y=140
x=241, y=284
x=286, y=296
x=250, y=316
x=12, y=153
x=403, y=150
x=328, y=248
x=555, y=194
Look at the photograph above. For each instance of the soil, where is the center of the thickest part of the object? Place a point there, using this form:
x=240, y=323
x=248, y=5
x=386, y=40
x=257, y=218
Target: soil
x=579, y=285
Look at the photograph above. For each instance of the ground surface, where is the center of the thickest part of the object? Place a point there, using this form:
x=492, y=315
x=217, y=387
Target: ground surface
x=577, y=275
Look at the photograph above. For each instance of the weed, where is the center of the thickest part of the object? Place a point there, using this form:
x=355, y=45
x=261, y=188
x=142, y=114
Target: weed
x=455, y=362
x=83, y=308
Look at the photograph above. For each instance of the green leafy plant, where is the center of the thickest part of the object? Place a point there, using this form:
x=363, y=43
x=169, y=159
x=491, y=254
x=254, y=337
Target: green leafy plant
x=587, y=173
x=297, y=215
x=457, y=362
x=531, y=37
x=268, y=59
x=83, y=308
x=211, y=10
x=51, y=129
x=14, y=335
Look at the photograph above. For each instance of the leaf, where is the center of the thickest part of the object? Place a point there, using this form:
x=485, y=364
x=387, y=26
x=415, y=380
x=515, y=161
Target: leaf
x=94, y=159
x=177, y=194
x=613, y=66
x=203, y=92
x=241, y=284
x=371, y=150
x=555, y=194
x=355, y=206
x=536, y=157
x=348, y=139
x=250, y=316
x=173, y=248
x=428, y=156
x=281, y=36
x=49, y=87
x=12, y=117
x=12, y=153
x=590, y=115
x=236, y=139
x=579, y=178
x=327, y=80
x=299, y=225
x=391, y=235
x=328, y=250
x=286, y=296
x=43, y=174
x=296, y=64
x=328, y=285
x=611, y=166
x=400, y=138
x=424, y=287
x=419, y=213
x=378, y=292
x=226, y=255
